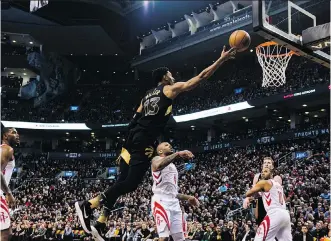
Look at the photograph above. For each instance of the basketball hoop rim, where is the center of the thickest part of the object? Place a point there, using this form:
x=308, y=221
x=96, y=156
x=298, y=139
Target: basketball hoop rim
x=270, y=43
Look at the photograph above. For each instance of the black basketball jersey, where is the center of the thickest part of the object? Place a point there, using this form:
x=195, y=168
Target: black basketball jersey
x=261, y=210
x=157, y=109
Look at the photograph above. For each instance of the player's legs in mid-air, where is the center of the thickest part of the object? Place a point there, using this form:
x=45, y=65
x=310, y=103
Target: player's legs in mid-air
x=138, y=154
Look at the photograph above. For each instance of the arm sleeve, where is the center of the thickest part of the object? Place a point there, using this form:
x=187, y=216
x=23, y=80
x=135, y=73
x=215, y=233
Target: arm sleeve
x=134, y=120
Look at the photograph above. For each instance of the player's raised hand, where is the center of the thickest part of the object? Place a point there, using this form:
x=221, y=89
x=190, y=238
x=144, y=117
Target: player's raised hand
x=230, y=54
x=186, y=155
x=193, y=201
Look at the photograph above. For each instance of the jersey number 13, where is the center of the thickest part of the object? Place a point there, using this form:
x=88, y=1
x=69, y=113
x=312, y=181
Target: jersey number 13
x=151, y=106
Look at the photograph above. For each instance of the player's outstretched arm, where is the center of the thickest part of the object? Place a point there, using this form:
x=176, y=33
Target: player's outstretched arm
x=173, y=90
x=158, y=163
x=263, y=186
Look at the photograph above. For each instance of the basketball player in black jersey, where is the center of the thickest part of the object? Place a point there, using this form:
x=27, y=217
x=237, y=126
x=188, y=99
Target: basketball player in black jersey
x=148, y=123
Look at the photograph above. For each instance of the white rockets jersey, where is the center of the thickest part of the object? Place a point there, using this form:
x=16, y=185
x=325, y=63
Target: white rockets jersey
x=274, y=199
x=8, y=171
x=165, y=182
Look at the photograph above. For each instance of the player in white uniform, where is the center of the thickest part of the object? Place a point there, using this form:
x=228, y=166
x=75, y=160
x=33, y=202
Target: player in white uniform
x=277, y=222
x=165, y=201
x=10, y=138
x=259, y=210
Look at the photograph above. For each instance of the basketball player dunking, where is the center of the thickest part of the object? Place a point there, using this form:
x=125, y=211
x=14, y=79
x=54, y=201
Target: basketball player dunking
x=169, y=217
x=10, y=138
x=148, y=123
x=277, y=220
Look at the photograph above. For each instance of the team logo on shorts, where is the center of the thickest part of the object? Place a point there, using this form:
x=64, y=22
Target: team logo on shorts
x=149, y=151
x=3, y=217
x=158, y=220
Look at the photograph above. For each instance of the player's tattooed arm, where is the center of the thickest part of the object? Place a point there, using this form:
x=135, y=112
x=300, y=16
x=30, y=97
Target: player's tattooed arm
x=158, y=163
x=258, y=187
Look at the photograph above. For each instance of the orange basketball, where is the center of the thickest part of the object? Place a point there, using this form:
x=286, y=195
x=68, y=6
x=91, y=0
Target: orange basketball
x=240, y=40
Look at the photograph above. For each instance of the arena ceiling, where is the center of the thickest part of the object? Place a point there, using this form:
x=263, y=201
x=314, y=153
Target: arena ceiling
x=77, y=26
x=67, y=27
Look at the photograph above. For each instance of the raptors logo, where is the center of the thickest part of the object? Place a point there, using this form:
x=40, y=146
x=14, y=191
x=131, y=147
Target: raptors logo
x=149, y=151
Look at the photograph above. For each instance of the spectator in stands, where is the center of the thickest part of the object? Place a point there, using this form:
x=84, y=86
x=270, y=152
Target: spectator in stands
x=326, y=195
x=304, y=235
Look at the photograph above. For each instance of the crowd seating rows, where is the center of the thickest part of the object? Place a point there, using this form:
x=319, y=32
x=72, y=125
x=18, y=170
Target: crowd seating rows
x=104, y=104
x=46, y=204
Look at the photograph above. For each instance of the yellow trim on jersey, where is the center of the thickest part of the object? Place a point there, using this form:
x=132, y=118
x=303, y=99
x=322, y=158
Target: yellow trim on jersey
x=125, y=155
x=169, y=110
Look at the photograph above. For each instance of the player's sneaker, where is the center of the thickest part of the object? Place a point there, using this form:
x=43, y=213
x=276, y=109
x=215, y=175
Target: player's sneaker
x=84, y=212
x=98, y=231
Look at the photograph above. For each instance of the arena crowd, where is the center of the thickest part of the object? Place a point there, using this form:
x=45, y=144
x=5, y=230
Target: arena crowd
x=93, y=101
x=45, y=201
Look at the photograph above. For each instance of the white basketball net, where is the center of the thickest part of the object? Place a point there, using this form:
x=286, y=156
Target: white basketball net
x=273, y=59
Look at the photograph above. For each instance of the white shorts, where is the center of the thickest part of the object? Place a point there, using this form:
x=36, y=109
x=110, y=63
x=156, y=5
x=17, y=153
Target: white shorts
x=276, y=224
x=168, y=216
x=4, y=214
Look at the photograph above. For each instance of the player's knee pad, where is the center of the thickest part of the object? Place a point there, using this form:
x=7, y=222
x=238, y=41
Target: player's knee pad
x=178, y=236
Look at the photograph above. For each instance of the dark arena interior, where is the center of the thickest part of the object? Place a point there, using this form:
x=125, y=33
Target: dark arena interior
x=74, y=76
